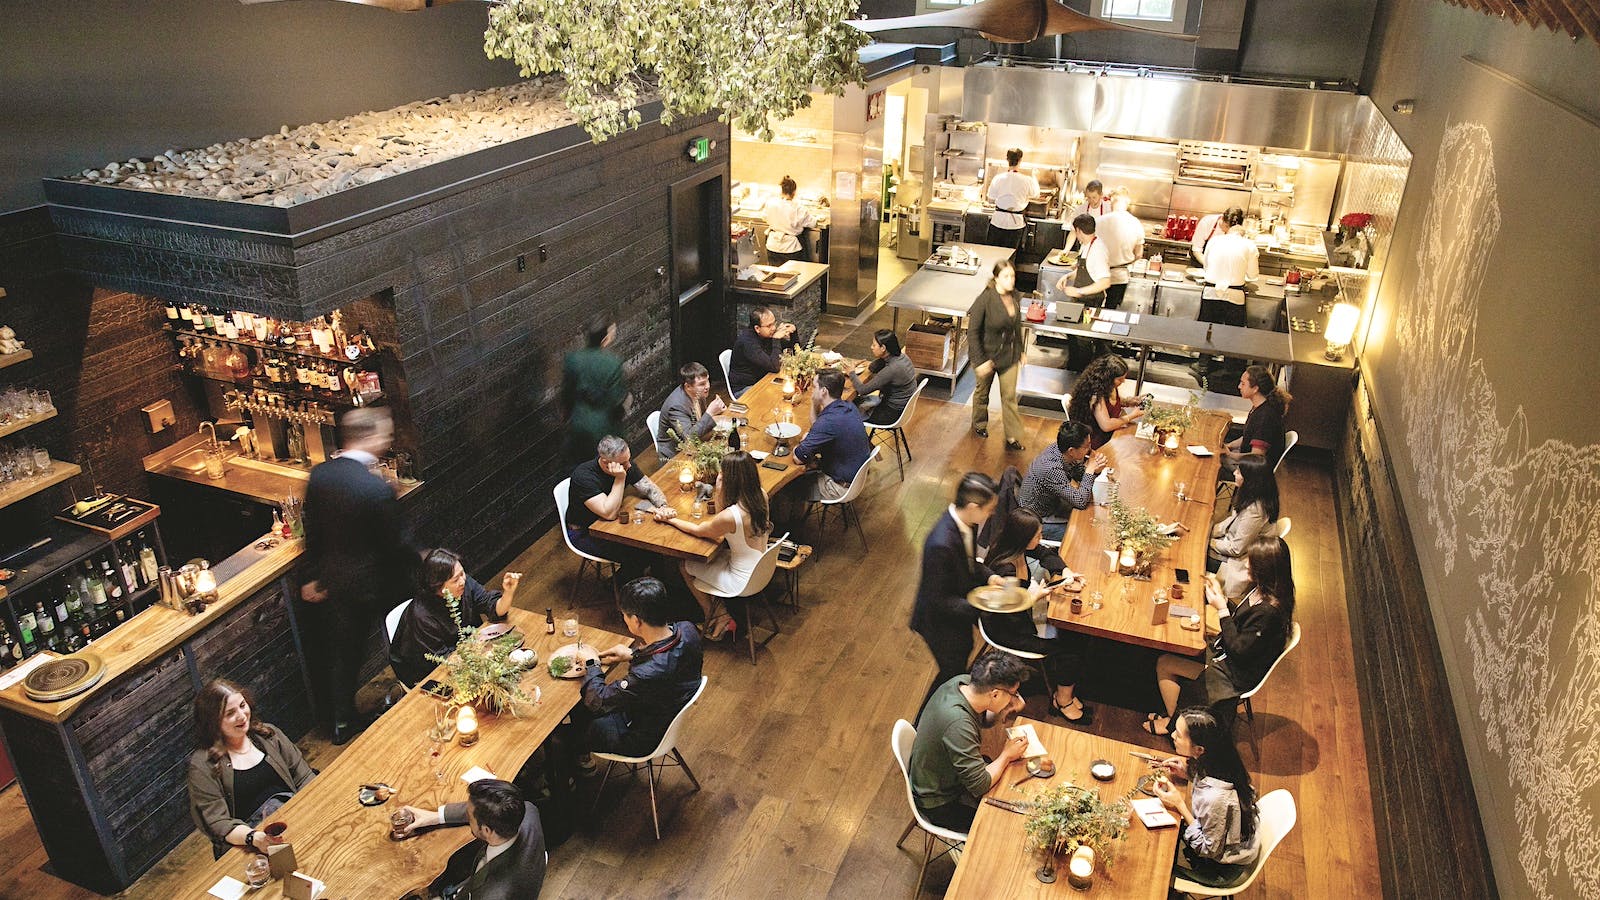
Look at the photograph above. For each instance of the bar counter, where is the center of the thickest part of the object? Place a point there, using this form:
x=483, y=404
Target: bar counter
x=104, y=772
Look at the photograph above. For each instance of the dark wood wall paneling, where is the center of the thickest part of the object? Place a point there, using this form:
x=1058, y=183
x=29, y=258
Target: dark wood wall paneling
x=1430, y=837
x=99, y=353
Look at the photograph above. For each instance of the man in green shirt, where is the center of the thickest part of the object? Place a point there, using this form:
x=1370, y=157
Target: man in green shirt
x=948, y=774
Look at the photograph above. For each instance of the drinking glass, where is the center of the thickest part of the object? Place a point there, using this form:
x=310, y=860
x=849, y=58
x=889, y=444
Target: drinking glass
x=1182, y=488
x=24, y=459
x=698, y=509
x=41, y=460
x=257, y=872
x=569, y=628
x=638, y=516
x=439, y=734
x=1096, y=600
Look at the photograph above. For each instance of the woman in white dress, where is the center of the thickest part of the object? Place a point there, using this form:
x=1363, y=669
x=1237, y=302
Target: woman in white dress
x=743, y=525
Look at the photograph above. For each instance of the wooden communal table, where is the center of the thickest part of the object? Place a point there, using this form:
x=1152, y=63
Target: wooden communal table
x=345, y=844
x=762, y=399
x=1149, y=480
x=998, y=861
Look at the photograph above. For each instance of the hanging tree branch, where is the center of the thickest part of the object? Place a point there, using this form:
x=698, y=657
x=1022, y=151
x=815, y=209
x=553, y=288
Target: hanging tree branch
x=754, y=62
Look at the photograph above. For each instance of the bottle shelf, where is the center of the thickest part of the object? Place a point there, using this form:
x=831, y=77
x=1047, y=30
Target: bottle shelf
x=15, y=427
x=11, y=359
x=254, y=383
x=365, y=362
x=21, y=490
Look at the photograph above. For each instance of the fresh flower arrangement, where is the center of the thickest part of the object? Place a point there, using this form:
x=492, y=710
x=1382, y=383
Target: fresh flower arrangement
x=1135, y=529
x=1067, y=817
x=1355, y=221
x=481, y=672
x=801, y=363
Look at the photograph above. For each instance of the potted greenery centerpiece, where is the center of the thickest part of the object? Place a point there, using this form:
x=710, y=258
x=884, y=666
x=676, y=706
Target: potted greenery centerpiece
x=1068, y=817
x=481, y=673
x=801, y=364
x=704, y=455
x=1138, y=537
x=1168, y=420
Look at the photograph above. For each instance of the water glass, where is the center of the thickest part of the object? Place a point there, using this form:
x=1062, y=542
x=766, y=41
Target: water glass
x=1182, y=489
x=698, y=510
x=1097, y=600
x=41, y=460
x=569, y=628
x=257, y=872
x=638, y=516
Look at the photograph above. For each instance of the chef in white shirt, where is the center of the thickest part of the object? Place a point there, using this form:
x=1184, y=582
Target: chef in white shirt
x=786, y=221
x=1232, y=263
x=1207, y=228
x=1094, y=204
x=1010, y=192
x=1123, y=236
x=1088, y=285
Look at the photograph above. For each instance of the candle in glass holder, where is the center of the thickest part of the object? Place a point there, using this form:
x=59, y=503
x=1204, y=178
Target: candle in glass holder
x=685, y=478
x=788, y=389
x=467, y=726
x=1080, y=869
x=1128, y=560
x=1172, y=442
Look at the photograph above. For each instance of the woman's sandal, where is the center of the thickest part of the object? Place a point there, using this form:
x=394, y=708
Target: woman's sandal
x=1085, y=718
x=1150, y=725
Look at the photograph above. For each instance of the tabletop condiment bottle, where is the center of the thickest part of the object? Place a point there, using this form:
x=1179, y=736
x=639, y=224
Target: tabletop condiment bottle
x=549, y=620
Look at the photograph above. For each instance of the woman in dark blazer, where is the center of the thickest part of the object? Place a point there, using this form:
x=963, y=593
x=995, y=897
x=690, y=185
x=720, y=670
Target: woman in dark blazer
x=1252, y=637
x=241, y=771
x=427, y=626
x=994, y=340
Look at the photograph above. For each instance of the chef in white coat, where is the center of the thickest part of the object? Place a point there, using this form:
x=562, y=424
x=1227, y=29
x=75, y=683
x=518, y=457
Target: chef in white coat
x=786, y=221
x=1123, y=236
x=1094, y=204
x=1207, y=228
x=1010, y=192
x=1232, y=263
x=1088, y=285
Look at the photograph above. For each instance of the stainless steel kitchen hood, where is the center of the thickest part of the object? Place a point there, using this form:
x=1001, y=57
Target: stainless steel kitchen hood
x=1169, y=108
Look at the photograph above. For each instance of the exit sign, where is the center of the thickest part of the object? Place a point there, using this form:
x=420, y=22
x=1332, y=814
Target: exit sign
x=700, y=149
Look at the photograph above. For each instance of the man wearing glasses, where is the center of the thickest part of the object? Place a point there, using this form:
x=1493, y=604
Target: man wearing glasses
x=757, y=350
x=948, y=774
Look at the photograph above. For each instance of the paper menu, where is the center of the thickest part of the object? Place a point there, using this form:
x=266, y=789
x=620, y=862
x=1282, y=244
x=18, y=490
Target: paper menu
x=476, y=773
x=1198, y=450
x=15, y=676
x=1152, y=812
x=228, y=889
x=1035, y=747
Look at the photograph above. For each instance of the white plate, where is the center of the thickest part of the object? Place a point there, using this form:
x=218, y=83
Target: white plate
x=758, y=455
x=783, y=430
x=832, y=357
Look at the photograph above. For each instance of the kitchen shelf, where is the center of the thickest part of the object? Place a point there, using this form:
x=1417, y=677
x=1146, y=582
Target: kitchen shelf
x=11, y=359
x=59, y=472
x=69, y=546
x=292, y=393
x=15, y=427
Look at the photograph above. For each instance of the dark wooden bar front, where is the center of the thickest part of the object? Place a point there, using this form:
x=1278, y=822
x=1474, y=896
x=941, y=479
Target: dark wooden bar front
x=104, y=771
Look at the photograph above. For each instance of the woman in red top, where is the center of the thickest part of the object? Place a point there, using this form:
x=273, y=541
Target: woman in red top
x=1096, y=402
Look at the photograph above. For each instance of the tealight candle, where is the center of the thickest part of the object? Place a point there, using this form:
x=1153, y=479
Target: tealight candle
x=1080, y=869
x=467, y=726
x=1172, y=441
x=685, y=478
x=788, y=389
x=1128, y=559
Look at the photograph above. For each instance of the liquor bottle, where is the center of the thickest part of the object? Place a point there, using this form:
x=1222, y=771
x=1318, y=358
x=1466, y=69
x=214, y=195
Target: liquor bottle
x=549, y=620
x=74, y=602
x=47, y=625
x=28, y=627
x=10, y=650
x=148, y=567
x=96, y=590
x=60, y=609
x=172, y=311
x=111, y=581
x=208, y=319
x=186, y=315
x=74, y=640
x=130, y=566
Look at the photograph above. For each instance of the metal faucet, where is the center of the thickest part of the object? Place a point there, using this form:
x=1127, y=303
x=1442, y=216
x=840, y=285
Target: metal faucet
x=201, y=430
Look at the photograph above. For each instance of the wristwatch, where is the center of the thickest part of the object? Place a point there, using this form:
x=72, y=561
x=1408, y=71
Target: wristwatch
x=250, y=839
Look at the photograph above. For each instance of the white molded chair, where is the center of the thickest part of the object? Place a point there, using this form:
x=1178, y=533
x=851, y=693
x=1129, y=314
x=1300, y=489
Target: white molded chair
x=753, y=591
x=1290, y=438
x=665, y=754
x=726, y=359
x=1030, y=656
x=896, y=430
x=654, y=422
x=1249, y=710
x=904, y=736
x=1277, y=817
x=391, y=624
x=561, y=493
x=1066, y=404
x=846, y=503
x=1280, y=528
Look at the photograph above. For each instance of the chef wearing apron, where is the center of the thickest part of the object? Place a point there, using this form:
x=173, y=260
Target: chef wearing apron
x=1010, y=192
x=786, y=221
x=1094, y=266
x=1207, y=228
x=1232, y=263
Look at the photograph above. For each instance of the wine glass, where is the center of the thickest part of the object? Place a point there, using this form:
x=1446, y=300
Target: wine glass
x=439, y=734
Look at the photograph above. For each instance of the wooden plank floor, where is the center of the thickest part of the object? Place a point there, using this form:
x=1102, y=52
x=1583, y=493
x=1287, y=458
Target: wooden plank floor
x=801, y=796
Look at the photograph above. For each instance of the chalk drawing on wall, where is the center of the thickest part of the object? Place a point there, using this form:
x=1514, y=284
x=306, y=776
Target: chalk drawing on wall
x=1518, y=514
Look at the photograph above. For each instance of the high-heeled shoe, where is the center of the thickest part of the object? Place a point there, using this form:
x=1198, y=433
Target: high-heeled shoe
x=1085, y=717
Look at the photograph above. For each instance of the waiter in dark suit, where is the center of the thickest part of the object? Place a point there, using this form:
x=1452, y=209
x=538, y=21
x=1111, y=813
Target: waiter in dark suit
x=357, y=564
x=507, y=859
x=950, y=569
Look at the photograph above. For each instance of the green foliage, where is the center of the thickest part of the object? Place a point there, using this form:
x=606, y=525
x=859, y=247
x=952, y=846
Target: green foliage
x=1067, y=817
x=801, y=362
x=706, y=455
x=560, y=666
x=481, y=671
x=1166, y=417
x=753, y=62
x=1136, y=529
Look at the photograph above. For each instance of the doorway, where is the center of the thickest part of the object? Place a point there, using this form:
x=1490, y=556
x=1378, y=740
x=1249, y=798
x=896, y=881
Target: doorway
x=700, y=324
